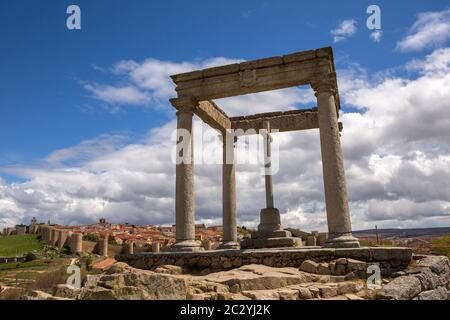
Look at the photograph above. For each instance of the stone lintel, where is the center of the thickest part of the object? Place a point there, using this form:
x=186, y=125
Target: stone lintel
x=293, y=120
x=259, y=75
x=211, y=114
x=206, y=110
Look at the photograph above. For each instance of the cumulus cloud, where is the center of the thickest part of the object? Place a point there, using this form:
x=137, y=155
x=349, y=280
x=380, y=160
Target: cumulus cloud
x=431, y=29
x=145, y=83
x=396, y=149
x=117, y=95
x=344, y=30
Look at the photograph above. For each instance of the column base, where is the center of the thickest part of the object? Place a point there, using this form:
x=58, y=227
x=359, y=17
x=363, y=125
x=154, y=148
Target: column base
x=230, y=245
x=341, y=241
x=270, y=220
x=187, y=246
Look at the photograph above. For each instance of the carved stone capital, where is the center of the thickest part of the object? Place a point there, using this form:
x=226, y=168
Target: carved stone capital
x=184, y=104
x=326, y=84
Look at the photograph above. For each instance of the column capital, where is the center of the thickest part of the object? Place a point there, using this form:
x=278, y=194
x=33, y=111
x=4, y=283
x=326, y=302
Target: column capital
x=184, y=104
x=326, y=84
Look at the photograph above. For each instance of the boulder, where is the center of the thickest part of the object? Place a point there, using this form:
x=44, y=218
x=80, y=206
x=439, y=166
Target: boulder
x=158, y=286
x=356, y=265
x=323, y=269
x=401, y=288
x=437, y=264
x=309, y=266
x=304, y=294
x=440, y=293
x=428, y=279
x=119, y=267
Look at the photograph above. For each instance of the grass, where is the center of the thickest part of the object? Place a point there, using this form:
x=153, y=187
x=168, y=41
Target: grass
x=441, y=245
x=19, y=245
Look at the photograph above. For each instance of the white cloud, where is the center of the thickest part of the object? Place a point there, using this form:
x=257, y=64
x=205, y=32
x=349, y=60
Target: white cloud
x=346, y=29
x=397, y=155
x=431, y=29
x=438, y=61
x=142, y=83
x=117, y=95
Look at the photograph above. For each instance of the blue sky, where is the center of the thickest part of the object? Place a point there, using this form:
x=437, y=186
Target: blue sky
x=44, y=107
x=52, y=77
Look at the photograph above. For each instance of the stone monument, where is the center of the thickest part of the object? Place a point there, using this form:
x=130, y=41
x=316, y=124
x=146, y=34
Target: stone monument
x=195, y=92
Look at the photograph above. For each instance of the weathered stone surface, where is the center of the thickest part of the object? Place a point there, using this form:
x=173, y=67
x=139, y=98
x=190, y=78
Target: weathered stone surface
x=38, y=295
x=437, y=264
x=327, y=291
x=258, y=277
x=356, y=265
x=96, y=293
x=119, y=267
x=350, y=287
x=91, y=280
x=401, y=288
x=111, y=281
x=262, y=294
x=441, y=293
x=257, y=281
x=323, y=268
x=169, y=269
x=158, y=286
x=66, y=291
x=351, y=296
x=280, y=258
x=428, y=279
x=309, y=266
x=288, y=294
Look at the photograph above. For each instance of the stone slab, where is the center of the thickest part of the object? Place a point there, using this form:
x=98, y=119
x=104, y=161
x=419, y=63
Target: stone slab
x=278, y=257
x=260, y=243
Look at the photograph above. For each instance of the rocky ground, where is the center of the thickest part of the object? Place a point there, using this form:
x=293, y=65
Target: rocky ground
x=343, y=279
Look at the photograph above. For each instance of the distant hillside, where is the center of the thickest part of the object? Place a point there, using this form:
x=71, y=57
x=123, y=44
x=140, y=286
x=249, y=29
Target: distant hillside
x=404, y=233
x=13, y=246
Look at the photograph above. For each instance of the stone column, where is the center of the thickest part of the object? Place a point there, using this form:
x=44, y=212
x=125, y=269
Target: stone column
x=229, y=193
x=184, y=190
x=338, y=217
x=269, y=216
